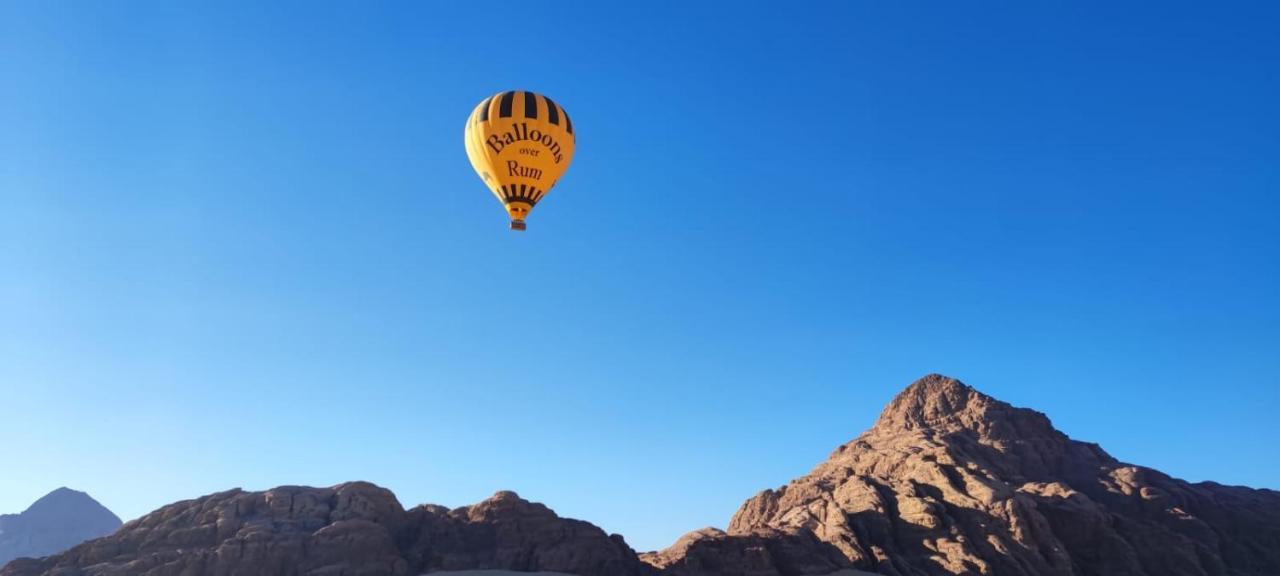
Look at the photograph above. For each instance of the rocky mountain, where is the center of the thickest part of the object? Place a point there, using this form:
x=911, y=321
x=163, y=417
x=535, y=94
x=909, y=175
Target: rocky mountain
x=56, y=522
x=348, y=530
x=950, y=481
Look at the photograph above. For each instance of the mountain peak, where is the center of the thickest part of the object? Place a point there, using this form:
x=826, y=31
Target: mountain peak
x=944, y=407
x=65, y=502
x=934, y=400
x=933, y=388
x=55, y=522
x=952, y=481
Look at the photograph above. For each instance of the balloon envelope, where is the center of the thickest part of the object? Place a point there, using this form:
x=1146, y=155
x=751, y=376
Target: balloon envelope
x=520, y=143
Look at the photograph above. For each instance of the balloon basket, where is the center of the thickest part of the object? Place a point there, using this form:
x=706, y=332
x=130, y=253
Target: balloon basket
x=517, y=225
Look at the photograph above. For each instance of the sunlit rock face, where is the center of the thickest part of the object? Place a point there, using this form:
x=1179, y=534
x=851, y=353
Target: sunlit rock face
x=951, y=481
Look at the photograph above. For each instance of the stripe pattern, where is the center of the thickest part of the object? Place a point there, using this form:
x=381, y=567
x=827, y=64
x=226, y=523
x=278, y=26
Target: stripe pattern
x=522, y=193
x=529, y=108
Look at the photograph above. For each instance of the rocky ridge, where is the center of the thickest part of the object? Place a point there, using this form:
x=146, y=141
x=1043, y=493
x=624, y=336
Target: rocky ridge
x=948, y=481
x=354, y=529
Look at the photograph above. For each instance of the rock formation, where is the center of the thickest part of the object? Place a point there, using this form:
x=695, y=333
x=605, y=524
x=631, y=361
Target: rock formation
x=56, y=522
x=354, y=529
x=763, y=552
x=950, y=481
x=510, y=533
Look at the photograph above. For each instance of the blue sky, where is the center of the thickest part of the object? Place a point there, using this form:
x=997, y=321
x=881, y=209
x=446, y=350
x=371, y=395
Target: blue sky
x=241, y=245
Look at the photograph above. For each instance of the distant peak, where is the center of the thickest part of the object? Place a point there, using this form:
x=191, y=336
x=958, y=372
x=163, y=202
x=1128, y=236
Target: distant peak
x=64, y=495
x=65, y=499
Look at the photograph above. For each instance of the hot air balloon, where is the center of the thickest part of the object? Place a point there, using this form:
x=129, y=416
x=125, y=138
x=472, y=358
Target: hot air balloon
x=520, y=143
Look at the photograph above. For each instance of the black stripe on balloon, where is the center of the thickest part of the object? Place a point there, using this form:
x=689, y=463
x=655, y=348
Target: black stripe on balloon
x=484, y=109
x=568, y=124
x=530, y=106
x=524, y=193
x=519, y=199
x=553, y=115
x=504, y=105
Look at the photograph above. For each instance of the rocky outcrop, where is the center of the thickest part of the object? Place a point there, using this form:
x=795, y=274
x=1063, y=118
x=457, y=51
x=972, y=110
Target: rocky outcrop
x=348, y=530
x=950, y=481
x=509, y=533
x=56, y=522
x=762, y=552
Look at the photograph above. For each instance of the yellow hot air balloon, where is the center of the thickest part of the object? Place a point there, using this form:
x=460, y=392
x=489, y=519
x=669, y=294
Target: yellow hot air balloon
x=520, y=143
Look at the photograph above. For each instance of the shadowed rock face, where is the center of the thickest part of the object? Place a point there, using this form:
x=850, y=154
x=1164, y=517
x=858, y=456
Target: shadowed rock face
x=763, y=552
x=510, y=533
x=348, y=530
x=950, y=481
x=56, y=522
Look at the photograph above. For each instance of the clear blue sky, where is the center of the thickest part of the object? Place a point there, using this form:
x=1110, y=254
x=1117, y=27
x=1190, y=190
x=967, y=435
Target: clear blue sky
x=242, y=245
